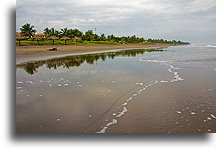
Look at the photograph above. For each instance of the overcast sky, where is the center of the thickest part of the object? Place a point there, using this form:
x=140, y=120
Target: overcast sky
x=186, y=20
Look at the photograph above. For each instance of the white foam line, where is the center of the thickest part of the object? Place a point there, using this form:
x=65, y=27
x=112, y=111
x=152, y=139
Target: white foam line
x=176, y=78
x=134, y=95
x=19, y=82
x=122, y=112
x=193, y=113
x=114, y=121
x=175, y=73
x=139, y=83
x=208, y=118
x=212, y=116
x=124, y=104
x=129, y=99
x=162, y=81
x=49, y=80
x=178, y=112
x=29, y=82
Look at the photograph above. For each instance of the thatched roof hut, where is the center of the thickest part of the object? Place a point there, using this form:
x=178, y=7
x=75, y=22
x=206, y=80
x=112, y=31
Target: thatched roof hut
x=53, y=38
x=37, y=38
x=65, y=38
x=22, y=37
x=77, y=38
x=19, y=38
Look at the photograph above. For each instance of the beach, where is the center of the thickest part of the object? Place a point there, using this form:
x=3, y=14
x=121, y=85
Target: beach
x=171, y=90
x=42, y=50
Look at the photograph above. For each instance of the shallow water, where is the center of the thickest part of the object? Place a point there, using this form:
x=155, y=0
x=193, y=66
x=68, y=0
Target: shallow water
x=136, y=91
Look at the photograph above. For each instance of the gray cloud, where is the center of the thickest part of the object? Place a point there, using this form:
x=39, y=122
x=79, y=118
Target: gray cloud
x=187, y=20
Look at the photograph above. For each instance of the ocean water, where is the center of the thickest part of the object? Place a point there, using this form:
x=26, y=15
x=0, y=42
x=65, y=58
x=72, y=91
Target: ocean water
x=169, y=90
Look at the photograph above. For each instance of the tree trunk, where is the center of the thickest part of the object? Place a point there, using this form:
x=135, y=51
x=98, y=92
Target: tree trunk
x=53, y=42
x=65, y=42
x=19, y=43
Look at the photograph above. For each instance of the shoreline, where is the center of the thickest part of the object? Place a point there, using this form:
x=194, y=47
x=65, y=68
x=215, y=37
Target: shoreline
x=42, y=51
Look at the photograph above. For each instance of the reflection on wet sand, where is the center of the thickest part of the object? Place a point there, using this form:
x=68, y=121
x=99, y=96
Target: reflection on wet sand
x=77, y=60
x=136, y=92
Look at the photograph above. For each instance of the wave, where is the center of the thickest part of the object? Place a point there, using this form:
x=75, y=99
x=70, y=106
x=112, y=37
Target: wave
x=211, y=46
x=203, y=45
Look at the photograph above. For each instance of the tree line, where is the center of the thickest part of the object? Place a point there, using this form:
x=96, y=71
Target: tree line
x=28, y=30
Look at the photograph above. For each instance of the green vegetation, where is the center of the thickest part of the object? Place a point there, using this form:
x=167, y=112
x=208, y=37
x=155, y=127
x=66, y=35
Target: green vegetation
x=28, y=30
x=77, y=60
x=75, y=36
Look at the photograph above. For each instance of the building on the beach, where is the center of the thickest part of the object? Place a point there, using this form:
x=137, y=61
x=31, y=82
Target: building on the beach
x=18, y=34
x=42, y=35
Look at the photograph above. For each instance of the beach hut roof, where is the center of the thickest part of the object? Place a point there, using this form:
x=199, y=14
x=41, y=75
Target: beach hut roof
x=37, y=37
x=40, y=34
x=19, y=33
x=77, y=38
x=65, y=38
x=22, y=37
x=53, y=38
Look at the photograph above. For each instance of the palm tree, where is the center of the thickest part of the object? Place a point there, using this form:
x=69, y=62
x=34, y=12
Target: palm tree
x=27, y=30
x=47, y=32
x=51, y=32
x=103, y=37
x=64, y=32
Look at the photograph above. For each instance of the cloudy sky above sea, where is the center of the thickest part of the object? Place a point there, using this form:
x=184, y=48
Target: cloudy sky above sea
x=186, y=20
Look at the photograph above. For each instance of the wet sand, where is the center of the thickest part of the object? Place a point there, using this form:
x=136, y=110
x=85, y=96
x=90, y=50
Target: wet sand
x=42, y=51
x=160, y=106
x=161, y=92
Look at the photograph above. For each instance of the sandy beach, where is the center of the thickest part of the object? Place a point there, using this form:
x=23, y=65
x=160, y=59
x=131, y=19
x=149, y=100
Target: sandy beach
x=42, y=50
